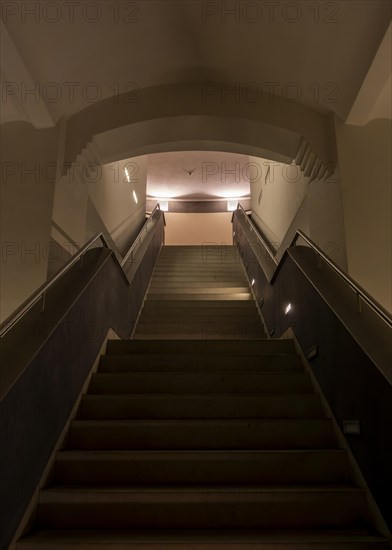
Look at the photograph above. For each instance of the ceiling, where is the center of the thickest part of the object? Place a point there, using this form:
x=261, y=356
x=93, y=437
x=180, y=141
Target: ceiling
x=198, y=175
x=79, y=55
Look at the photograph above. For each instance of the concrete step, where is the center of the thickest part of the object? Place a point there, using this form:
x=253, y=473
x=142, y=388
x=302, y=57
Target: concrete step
x=202, y=434
x=199, y=262
x=215, y=539
x=202, y=297
x=245, y=317
x=242, y=329
x=207, y=335
x=197, y=290
x=215, y=305
x=201, y=467
x=149, y=362
x=190, y=259
x=210, y=249
x=200, y=382
x=183, y=507
x=158, y=407
x=203, y=347
x=180, y=268
x=177, y=285
x=203, y=315
x=190, y=277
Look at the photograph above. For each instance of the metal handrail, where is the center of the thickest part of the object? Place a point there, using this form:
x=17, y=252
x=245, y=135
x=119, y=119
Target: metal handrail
x=140, y=235
x=256, y=231
x=40, y=293
x=360, y=292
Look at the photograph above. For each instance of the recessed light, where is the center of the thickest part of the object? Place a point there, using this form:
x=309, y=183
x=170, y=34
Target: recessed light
x=127, y=175
x=134, y=196
x=351, y=427
x=253, y=282
x=287, y=309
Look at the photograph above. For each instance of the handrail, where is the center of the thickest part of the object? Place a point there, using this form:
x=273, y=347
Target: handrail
x=360, y=292
x=254, y=228
x=42, y=290
x=140, y=235
x=40, y=293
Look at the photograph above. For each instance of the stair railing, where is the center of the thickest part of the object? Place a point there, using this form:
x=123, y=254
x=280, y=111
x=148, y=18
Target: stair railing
x=137, y=244
x=360, y=292
x=40, y=293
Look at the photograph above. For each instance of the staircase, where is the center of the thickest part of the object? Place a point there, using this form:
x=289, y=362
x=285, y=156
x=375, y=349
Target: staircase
x=183, y=442
x=199, y=292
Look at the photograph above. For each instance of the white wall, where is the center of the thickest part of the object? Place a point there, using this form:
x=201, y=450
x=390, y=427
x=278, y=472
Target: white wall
x=277, y=191
x=364, y=155
x=45, y=217
x=101, y=201
x=320, y=216
x=27, y=188
x=198, y=229
x=111, y=198
x=284, y=201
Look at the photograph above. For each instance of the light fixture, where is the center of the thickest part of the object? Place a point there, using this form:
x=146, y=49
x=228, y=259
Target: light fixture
x=134, y=196
x=127, y=175
x=253, y=282
x=164, y=205
x=189, y=172
x=312, y=352
x=352, y=427
x=232, y=205
x=287, y=309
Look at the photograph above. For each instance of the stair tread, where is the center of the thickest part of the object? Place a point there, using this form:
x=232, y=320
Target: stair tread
x=186, y=422
x=199, y=489
x=70, y=454
x=239, y=395
x=182, y=373
x=132, y=356
x=200, y=347
x=94, y=535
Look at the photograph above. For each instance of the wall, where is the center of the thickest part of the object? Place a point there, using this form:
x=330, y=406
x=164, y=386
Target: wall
x=284, y=201
x=365, y=163
x=101, y=200
x=198, y=229
x=277, y=191
x=46, y=217
x=320, y=216
x=28, y=180
x=111, y=203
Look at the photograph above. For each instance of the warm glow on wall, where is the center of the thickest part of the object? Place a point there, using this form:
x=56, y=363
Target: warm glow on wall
x=232, y=205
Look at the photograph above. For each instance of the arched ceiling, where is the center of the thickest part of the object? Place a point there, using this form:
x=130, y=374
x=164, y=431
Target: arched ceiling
x=198, y=175
x=77, y=53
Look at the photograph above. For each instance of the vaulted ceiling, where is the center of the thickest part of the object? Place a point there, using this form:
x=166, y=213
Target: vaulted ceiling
x=198, y=175
x=77, y=53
